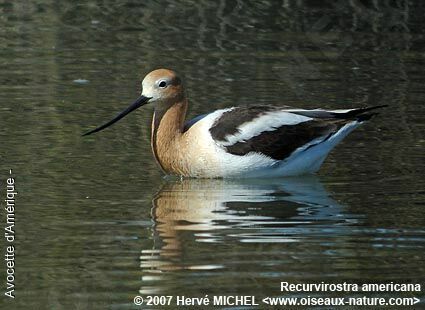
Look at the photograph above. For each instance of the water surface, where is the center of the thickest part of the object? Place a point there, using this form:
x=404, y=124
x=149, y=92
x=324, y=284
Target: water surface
x=97, y=224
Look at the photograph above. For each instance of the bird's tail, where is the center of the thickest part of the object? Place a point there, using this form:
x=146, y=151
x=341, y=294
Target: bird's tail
x=356, y=114
x=359, y=114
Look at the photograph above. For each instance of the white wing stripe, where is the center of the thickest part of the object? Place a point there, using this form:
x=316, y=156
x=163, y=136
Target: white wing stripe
x=342, y=111
x=267, y=122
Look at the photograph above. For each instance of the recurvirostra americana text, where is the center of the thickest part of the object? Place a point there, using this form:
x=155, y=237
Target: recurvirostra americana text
x=253, y=141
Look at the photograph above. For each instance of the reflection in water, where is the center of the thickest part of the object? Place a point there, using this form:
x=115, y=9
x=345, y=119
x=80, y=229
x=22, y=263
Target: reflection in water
x=220, y=211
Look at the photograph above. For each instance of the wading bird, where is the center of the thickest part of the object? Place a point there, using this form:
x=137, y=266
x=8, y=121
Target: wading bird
x=238, y=142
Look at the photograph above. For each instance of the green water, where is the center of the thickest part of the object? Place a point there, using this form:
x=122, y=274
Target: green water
x=96, y=222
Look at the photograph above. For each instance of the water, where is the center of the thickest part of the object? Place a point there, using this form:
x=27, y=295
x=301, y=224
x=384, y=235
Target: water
x=96, y=222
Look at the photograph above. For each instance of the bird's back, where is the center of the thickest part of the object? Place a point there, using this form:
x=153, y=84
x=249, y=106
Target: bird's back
x=266, y=141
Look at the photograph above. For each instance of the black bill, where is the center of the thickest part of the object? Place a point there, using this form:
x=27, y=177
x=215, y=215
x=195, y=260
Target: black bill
x=142, y=100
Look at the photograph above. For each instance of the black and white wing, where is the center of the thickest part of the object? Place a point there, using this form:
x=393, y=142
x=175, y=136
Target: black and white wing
x=277, y=132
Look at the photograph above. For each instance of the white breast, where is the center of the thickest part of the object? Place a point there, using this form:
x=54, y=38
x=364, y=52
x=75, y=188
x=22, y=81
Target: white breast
x=210, y=159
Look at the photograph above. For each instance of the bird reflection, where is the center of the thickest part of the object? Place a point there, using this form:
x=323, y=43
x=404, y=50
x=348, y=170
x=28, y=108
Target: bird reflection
x=191, y=214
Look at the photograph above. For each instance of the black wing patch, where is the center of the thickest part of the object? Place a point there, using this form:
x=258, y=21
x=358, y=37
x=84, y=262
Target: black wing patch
x=282, y=142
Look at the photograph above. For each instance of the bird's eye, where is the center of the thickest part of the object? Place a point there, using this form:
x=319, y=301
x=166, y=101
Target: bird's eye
x=162, y=84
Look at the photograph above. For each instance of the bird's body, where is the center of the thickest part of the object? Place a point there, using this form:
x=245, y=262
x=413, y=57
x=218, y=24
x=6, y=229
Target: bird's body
x=239, y=142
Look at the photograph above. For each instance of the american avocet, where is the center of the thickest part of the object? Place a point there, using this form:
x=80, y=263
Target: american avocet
x=253, y=141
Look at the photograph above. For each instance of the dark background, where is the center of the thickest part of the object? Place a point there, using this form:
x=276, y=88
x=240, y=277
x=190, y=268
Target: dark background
x=96, y=222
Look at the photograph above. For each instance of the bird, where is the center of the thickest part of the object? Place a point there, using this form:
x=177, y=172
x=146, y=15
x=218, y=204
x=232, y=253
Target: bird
x=253, y=141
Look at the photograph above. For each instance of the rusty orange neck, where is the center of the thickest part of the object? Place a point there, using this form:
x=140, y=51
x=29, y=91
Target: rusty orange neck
x=166, y=136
